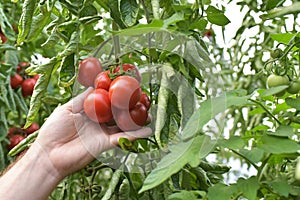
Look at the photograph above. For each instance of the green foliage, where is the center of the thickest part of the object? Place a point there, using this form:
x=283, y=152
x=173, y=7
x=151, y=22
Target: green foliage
x=207, y=100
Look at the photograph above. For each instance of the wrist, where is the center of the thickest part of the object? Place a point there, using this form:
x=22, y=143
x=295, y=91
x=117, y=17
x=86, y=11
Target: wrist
x=33, y=173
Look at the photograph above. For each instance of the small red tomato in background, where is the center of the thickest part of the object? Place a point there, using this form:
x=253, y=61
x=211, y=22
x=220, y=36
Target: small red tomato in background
x=14, y=140
x=145, y=100
x=32, y=128
x=102, y=80
x=130, y=68
x=97, y=106
x=124, y=92
x=88, y=69
x=28, y=87
x=15, y=81
x=14, y=130
x=130, y=120
x=36, y=77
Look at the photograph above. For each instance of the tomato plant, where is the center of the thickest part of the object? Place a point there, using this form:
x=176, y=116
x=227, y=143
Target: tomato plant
x=88, y=69
x=124, y=92
x=97, y=106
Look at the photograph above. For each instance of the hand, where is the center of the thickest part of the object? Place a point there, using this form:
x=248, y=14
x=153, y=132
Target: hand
x=71, y=140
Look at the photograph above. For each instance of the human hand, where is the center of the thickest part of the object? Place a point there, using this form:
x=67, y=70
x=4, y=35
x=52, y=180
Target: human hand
x=71, y=140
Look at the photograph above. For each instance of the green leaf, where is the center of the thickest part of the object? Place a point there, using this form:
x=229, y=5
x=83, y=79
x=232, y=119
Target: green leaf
x=254, y=155
x=26, y=19
x=181, y=154
x=248, y=187
x=162, y=104
x=221, y=190
x=154, y=26
x=113, y=184
x=293, y=102
x=67, y=70
x=234, y=142
x=272, y=4
x=278, y=145
x=115, y=12
x=39, y=90
x=183, y=195
x=199, y=24
x=176, y=17
x=283, y=131
x=129, y=10
x=216, y=16
x=282, y=37
x=38, y=24
x=210, y=108
x=274, y=90
x=278, y=12
x=281, y=187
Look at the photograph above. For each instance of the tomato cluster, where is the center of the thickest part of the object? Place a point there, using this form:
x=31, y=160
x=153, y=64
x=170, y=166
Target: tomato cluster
x=20, y=78
x=17, y=134
x=274, y=80
x=117, y=96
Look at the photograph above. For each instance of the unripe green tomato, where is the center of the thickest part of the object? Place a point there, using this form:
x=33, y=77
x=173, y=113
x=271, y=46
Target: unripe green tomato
x=276, y=53
x=294, y=87
x=276, y=80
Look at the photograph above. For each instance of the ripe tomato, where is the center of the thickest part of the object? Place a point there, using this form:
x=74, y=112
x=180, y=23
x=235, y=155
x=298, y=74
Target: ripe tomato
x=16, y=80
x=124, y=92
x=28, y=86
x=14, y=140
x=145, y=100
x=88, y=69
x=294, y=87
x=32, y=128
x=102, y=80
x=130, y=120
x=3, y=38
x=14, y=130
x=97, y=106
x=275, y=80
x=130, y=68
x=36, y=77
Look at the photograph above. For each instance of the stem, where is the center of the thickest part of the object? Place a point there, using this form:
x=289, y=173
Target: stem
x=252, y=163
x=100, y=47
x=116, y=41
x=269, y=113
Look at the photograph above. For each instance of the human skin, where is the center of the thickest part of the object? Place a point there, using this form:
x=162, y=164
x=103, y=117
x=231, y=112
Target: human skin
x=66, y=143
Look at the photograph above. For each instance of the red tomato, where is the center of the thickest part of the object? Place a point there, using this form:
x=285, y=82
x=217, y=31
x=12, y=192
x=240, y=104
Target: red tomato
x=3, y=38
x=14, y=130
x=97, y=106
x=130, y=68
x=32, y=128
x=28, y=86
x=89, y=68
x=14, y=140
x=124, y=92
x=132, y=120
x=145, y=100
x=15, y=81
x=36, y=77
x=102, y=80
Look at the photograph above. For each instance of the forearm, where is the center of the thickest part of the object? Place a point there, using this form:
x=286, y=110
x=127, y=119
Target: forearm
x=32, y=177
